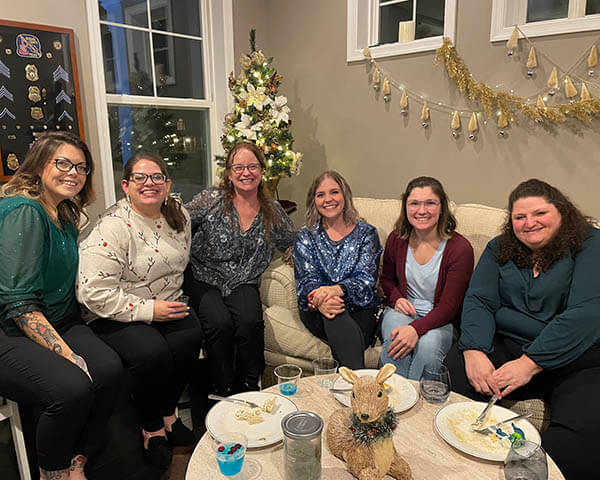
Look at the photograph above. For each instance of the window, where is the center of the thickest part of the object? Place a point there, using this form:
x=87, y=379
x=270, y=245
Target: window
x=543, y=17
x=160, y=85
x=396, y=27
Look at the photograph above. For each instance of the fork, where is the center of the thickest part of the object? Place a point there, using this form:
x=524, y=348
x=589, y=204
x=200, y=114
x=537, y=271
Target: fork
x=492, y=428
x=234, y=400
x=478, y=423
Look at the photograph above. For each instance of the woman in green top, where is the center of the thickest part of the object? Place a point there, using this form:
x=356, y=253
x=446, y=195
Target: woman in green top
x=48, y=357
x=531, y=322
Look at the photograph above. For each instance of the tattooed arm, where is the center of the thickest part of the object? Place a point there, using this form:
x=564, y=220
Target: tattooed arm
x=38, y=329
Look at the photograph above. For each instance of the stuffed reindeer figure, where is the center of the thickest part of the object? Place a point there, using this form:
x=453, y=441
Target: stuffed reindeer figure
x=362, y=435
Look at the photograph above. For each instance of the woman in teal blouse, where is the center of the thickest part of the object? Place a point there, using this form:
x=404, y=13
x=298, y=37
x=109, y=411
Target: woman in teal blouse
x=48, y=357
x=531, y=322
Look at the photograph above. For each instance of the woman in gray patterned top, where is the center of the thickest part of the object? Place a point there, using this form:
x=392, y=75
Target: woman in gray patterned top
x=235, y=229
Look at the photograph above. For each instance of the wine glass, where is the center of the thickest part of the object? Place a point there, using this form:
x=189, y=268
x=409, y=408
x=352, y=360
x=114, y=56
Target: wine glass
x=435, y=383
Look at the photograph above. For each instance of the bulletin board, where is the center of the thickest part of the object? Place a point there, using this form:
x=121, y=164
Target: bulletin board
x=39, y=88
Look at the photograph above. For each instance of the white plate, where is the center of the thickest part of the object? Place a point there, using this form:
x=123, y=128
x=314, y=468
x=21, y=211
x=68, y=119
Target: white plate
x=453, y=423
x=401, y=392
x=221, y=419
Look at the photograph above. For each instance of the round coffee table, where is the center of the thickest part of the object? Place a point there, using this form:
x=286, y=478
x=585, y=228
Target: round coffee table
x=416, y=439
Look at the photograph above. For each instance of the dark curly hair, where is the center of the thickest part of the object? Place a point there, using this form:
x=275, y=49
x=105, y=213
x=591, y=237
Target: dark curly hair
x=574, y=229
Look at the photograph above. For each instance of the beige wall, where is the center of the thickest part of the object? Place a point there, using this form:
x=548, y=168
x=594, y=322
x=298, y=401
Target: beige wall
x=339, y=122
x=67, y=14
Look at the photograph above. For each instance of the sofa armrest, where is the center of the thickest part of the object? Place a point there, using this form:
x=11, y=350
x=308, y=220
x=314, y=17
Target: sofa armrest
x=278, y=286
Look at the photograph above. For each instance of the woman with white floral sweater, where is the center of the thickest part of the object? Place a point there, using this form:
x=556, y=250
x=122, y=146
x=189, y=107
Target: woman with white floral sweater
x=130, y=276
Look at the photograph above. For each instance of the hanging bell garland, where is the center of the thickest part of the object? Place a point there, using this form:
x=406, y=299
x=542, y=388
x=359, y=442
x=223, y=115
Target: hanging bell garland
x=513, y=42
x=376, y=79
x=502, y=124
x=585, y=94
x=425, y=116
x=592, y=61
x=531, y=63
x=552, y=82
x=570, y=90
x=455, y=124
x=473, y=127
x=540, y=105
x=387, y=91
x=404, y=103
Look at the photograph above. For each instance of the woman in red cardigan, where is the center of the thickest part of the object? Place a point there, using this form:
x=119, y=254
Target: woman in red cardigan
x=426, y=270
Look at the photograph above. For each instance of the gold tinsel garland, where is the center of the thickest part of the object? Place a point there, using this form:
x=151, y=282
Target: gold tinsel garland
x=509, y=104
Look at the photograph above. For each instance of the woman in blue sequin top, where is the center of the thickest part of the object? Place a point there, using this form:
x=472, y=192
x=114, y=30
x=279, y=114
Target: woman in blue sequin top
x=336, y=257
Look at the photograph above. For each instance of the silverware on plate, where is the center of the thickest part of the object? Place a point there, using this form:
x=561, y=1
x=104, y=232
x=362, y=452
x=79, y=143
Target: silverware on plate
x=239, y=401
x=492, y=428
x=340, y=390
x=478, y=423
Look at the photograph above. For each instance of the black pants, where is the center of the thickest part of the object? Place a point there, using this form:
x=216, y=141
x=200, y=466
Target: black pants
x=74, y=410
x=234, y=332
x=572, y=392
x=348, y=334
x=159, y=356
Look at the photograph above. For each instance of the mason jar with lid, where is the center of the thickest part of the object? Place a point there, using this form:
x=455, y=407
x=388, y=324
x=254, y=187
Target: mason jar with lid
x=302, y=445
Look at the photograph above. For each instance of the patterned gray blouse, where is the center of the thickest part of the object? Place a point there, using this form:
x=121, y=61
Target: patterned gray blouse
x=224, y=256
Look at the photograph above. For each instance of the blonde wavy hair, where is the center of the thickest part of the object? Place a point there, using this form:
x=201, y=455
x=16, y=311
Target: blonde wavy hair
x=27, y=181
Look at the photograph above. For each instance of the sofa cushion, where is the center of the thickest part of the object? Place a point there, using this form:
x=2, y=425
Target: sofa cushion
x=479, y=224
x=285, y=333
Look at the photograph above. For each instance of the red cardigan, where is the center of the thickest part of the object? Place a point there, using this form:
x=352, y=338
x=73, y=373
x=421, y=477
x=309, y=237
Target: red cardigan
x=453, y=279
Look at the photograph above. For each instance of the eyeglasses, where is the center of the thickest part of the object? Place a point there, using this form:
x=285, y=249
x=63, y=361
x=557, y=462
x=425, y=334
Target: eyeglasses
x=140, y=178
x=428, y=204
x=65, y=165
x=238, y=168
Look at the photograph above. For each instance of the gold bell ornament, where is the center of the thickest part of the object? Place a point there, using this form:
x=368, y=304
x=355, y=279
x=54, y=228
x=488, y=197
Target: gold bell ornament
x=455, y=124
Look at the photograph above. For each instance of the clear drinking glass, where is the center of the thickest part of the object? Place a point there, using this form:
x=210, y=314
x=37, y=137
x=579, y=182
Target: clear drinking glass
x=230, y=452
x=526, y=460
x=435, y=383
x=325, y=366
x=287, y=378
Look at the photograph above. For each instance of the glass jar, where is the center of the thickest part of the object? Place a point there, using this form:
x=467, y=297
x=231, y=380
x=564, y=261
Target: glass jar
x=302, y=445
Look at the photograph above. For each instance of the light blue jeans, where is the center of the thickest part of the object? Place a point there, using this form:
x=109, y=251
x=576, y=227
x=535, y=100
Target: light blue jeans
x=430, y=348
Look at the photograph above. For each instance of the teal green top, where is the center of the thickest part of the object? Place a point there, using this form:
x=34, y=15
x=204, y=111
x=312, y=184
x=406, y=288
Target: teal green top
x=39, y=264
x=556, y=315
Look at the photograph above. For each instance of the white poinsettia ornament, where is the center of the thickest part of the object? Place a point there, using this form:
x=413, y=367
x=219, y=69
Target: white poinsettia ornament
x=279, y=109
x=246, y=128
x=255, y=96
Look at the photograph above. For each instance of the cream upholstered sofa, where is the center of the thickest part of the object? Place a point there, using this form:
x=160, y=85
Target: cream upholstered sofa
x=286, y=338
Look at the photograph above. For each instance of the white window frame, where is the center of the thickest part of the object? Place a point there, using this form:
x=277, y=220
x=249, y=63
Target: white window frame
x=217, y=50
x=514, y=12
x=363, y=29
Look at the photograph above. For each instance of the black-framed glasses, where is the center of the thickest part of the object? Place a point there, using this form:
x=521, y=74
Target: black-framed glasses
x=140, y=178
x=239, y=168
x=65, y=165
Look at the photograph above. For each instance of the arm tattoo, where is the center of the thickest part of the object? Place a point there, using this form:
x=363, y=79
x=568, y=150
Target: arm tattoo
x=37, y=327
x=52, y=474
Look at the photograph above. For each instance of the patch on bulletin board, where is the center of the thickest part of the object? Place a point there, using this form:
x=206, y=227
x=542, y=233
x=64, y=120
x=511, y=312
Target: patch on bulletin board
x=39, y=88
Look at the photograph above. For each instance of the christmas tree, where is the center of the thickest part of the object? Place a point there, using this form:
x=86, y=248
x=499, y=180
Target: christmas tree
x=260, y=115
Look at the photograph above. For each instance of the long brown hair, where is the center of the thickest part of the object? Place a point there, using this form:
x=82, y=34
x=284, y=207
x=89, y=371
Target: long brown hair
x=265, y=202
x=313, y=217
x=27, y=181
x=574, y=229
x=170, y=208
x=446, y=223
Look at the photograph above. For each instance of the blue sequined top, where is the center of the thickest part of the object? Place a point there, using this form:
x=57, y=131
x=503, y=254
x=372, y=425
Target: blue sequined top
x=352, y=262
x=224, y=256
x=39, y=264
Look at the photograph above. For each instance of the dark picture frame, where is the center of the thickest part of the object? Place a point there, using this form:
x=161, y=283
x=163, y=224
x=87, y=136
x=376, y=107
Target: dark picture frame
x=39, y=88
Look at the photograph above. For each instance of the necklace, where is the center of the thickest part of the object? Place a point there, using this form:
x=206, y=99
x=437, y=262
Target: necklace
x=369, y=433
